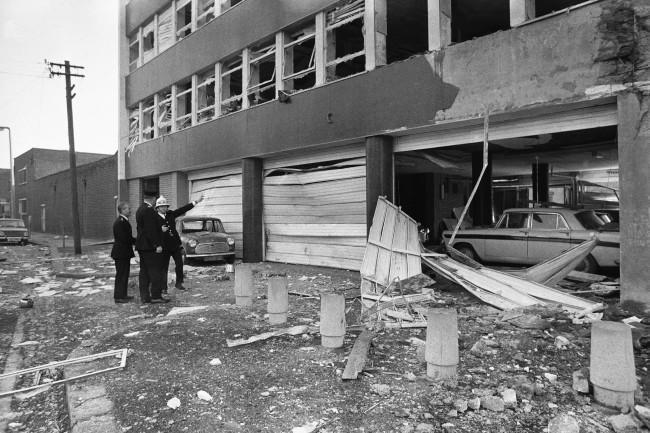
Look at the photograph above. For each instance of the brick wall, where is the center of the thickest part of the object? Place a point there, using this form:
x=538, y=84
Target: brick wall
x=97, y=189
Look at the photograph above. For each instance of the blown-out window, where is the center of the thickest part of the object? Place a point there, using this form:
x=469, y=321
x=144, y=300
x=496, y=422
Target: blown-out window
x=205, y=98
x=345, y=48
x=134, y=126
x=261, y=82
x=134, y=52
x=231, y=86
x=299, y=58
x=148, y=42
x=164, y=112
x=183, y=105
x=148, y=122
x=165, y=31
x=205, y=12
x=183, y=19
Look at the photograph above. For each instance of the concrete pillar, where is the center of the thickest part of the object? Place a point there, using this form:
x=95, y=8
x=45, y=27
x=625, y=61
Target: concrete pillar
x=252, y=203
x=634, y=182
x=379, y=172
x=481, y=207
x=244, y=285
x=332, y=320
x=540, y=176
x=180, y=194
x=611, y=370
x=375, y=31
x=278, y=300
x=441, y=349
x=439, y=16
x=521, y=11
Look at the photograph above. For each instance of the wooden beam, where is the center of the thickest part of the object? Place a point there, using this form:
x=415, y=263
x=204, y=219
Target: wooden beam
x=359, y=355
x=439, y=14
x=521, y=11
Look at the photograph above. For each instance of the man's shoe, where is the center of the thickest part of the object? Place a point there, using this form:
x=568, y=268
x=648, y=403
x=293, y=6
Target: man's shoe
x=160, y=301
x=121, y=301
x=181, y=287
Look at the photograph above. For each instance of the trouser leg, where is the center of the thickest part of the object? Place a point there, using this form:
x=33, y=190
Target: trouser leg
x=158, y=274
x=178, y=266
x=144, y=278
x=122, y=270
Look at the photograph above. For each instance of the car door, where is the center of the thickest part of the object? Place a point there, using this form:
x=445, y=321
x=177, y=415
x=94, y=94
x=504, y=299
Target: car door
x=549, y=236
x=507, y=242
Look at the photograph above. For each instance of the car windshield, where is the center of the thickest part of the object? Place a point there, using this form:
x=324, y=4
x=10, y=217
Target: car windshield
x=589, y=220
x=12, y=223
x=202, y=226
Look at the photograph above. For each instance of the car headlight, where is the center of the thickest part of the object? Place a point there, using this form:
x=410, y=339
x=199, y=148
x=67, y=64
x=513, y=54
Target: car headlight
x=192, y=243
x=231, y=241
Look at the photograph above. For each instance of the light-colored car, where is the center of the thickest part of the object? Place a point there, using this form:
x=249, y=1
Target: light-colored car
x=528, y=236
x=13, y=231
x=204, y=238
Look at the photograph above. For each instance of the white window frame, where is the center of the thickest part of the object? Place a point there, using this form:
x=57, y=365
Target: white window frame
x=357, y=12
x=160, y=124
x=224, y=74
x=180, y=4
x=210, y=10
x=312, y=61
x=255, y=59
x=207, y=77
x=149, y=110
x=184, y=118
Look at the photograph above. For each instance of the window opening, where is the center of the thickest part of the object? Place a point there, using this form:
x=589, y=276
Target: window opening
x=231, y=86
x=205, y=12
x=544, y=221
x=227, y=4
x=407, y=32
x=261, y=82
x=205, y=96
x=549, y=6
x=22, y=175
x=148, y=124
x=471, y=19
x=183, y=105
x=134, y=126
x=134, y=52
x=22, y=206
x=165, y=112
x=345, y=49
x=148, y=42
x=183, y=19
x=299, y=59
x=165, y=31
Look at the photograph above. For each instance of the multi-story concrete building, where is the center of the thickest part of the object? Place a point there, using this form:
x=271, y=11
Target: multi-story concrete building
x=293, y=116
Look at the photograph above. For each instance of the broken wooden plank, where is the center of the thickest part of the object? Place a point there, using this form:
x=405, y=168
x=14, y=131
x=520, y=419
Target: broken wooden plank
x=400, y=315
x=358, y=355
x=294, y=330
x=397, y=325
x=584, y=277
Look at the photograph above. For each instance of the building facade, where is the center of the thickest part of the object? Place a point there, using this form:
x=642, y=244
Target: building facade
x=5, y=193
x=43, y=191
x=292, y=117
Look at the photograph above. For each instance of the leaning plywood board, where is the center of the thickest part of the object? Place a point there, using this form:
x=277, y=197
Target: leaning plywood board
x=358, y=356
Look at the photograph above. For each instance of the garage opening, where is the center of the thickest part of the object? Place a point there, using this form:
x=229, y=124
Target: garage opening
x=407, y=29
x=474, y=18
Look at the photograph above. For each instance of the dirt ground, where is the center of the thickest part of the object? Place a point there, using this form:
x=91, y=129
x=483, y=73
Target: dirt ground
x=289, y=383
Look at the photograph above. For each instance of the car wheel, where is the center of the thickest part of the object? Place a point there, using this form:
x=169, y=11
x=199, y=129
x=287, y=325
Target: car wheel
x=468, y=251
x=588, y=265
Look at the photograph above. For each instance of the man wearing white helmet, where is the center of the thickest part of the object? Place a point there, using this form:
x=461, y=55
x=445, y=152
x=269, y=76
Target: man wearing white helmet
x=171, y=240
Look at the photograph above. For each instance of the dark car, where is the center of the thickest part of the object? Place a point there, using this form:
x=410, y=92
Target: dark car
x=13, y=231
x=204, y=238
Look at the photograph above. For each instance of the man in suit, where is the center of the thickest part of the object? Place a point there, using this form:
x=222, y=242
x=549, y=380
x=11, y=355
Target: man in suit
x=149, y=246
x=122, y=252
x=171, y=238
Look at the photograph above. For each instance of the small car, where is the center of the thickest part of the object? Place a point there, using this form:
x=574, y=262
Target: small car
x=13, y=230
x=527, y=236
x=204, y=238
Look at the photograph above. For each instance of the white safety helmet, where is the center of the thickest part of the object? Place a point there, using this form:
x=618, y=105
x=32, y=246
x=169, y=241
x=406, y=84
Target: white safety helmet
x=161, y=201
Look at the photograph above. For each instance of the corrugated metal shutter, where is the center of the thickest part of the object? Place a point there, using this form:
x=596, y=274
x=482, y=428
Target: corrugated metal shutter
x=317, y=217
x=222, y=198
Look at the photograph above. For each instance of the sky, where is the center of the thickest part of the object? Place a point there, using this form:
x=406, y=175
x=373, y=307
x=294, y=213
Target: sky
x=83, y=32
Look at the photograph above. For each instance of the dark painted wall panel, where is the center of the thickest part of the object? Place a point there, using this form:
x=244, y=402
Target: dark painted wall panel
x=399, y=95
x=234, y=30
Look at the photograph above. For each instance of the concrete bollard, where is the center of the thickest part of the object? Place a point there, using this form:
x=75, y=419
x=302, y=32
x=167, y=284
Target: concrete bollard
x=278, y=300
x=612, y=372
x=332, y=320
x=441, y=349
x=244, y=285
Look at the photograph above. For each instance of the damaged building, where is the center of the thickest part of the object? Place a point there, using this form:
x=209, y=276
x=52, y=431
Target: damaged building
x=292, y=117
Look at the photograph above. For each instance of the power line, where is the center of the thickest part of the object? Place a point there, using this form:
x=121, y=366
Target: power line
x=23, y=75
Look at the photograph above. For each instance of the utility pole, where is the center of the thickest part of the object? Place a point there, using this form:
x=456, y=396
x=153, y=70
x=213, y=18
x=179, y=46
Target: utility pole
x=73, y=156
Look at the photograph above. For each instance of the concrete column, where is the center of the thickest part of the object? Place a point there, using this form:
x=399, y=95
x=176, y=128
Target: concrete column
x=540, y=176
x=379, y=172
x=332, y=320
x=481, y=207
x=375, y=30
x=179, y=190
x=634, y=182
x=439, y=16
x=521, y=11
x=252, y=203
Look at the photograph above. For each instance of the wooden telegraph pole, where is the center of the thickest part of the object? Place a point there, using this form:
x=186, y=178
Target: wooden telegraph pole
x=73, y=156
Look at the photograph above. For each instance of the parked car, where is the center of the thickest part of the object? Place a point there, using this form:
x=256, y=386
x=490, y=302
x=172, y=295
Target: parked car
x=528, y=236
x=13, y=231
x=204, y=238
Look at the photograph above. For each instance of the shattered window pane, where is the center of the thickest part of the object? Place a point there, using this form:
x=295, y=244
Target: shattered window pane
x=231, y=86
x=205, y=96
x=165, y=31
x=148, y=42
x=148, y=124
x=134, y=52
x=183, y=105
x=164, y=112
x=345, y=48
x=134, y=126
x=205, y=11
x=299, y=59
x=261, y=84
x=183, y=19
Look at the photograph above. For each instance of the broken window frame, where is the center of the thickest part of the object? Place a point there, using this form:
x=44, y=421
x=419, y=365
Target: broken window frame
x=187, y=29
x=258, y=56
x=206, y=12
x=229, y=68
x=134, y=126
x=335, y=18
x=305, y=34
x=185, y=120
x=165, y=31
x=148, y=29
x=148, y=119
x=204, y=110
x=134, y=41
x=164, y=120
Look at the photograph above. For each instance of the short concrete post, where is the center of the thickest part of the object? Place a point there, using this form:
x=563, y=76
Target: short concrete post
x=441, y=349
x=278, y=300
x=332, y=320
x=244, y=285
x=612, y=372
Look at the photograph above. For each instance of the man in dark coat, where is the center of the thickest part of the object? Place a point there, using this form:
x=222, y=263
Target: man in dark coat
x=171, y=238
x=149, y=246
x=122, y=252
